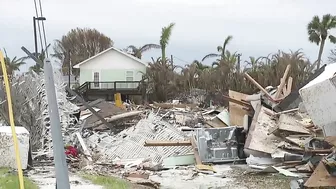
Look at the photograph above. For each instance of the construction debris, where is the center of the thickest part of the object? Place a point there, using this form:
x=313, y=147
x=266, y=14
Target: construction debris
x=268, y=131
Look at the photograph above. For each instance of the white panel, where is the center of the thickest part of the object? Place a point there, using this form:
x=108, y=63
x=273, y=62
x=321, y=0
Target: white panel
x=320, y=103
x=112, y=60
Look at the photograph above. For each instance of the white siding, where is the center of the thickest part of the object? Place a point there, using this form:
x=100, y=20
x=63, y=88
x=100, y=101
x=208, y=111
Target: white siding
x=112, y=60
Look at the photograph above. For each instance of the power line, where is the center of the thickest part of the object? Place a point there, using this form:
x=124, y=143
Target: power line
x=44, y=34
x=181, y=60
x=38, y=25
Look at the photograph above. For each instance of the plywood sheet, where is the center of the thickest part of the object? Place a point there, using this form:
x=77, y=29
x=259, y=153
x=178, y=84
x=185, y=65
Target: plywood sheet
x=259, y=139
x=320, y=178
x=236, y=111
x=289, y=123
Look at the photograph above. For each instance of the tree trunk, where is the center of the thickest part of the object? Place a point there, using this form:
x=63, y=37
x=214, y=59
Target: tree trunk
x=320, y=53
x=163, y=49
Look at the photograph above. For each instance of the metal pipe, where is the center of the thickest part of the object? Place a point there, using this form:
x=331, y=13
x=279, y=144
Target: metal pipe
x=61, y=168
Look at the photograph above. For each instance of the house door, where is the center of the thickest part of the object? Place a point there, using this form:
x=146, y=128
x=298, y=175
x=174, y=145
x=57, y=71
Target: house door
x=96, y=79
x=130, y=77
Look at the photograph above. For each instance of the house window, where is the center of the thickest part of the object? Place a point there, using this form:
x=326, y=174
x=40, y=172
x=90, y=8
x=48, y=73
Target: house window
x=96, y=79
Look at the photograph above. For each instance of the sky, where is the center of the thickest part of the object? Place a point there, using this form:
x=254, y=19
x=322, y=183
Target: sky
x=258, y=27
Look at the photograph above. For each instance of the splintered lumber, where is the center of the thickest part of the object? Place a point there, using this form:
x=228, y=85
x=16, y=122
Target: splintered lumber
x=169, y=106
x=288, y=123
x=102, y=120
x=85, y=149
x=117, y=117
x=236, y=111
x=320, y=178
x=167, y=143
x=287, y=111
x=258, y=85
x=237, y=101
x=283, y=82
x=195, y=150
x=289, y=86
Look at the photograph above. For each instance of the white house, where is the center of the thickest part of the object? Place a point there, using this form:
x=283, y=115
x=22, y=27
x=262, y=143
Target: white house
x=109, y=66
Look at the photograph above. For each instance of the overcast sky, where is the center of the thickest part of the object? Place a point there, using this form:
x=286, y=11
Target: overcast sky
x=258, y=27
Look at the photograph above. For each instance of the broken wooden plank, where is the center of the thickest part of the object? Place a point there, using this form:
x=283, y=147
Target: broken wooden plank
x=236, y=111
x=99, y=100
x=195, y=150
x=288, y=123
x=85, y=149
x=287, y=111
x=320, y=178
x=168, y=106
x=237, y=101
x=259, y=139
x=289, y=86
x=116, y=118
x=73, y=93
x=167, y=143
x=258, y=85
x=283, y=82
x=262, y=89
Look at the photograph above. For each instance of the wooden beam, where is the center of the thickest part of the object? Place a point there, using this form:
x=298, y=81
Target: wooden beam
x=242, y=103
x=167, y=143
x=289, y=85
x=195, y=150
x=73, y=93
x=283, y=82
x=262, y=89
x=258, y=85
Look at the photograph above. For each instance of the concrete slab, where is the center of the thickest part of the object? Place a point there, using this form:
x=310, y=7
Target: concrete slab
x=7, y=151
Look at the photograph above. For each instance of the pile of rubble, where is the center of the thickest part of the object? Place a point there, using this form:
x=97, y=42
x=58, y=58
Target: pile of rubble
x=276, y=131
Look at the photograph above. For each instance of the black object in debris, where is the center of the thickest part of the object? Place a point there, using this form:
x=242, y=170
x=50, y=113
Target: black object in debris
x=293, y=99
x=297, y=184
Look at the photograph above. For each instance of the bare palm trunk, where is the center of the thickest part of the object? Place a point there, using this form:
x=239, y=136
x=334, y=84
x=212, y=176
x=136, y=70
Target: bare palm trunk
x=320, y=53
x=163, y=49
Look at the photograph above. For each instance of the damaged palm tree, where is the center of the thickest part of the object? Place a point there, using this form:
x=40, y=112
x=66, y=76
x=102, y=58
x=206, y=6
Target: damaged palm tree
x=31, y=108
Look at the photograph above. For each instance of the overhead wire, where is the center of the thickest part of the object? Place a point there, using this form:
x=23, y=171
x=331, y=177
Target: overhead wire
x=44, y=33
x=38, y=25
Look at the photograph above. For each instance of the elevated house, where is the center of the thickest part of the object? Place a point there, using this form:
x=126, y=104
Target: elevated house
x=109, y=72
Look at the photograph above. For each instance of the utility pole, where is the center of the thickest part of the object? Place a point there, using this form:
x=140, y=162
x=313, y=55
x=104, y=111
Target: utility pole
x=35, y=33
x=172, y=61
x=238, y=63
x=61, y=168
x=69, y=72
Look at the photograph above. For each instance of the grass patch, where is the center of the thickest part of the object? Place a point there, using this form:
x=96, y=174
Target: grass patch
x=11, y=180
x=107, y=182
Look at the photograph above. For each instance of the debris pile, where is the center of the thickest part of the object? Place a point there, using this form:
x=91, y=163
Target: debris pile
x=278, y=130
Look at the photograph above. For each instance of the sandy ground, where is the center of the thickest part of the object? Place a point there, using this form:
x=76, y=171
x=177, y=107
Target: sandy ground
x=44, y=177
x=226, y=177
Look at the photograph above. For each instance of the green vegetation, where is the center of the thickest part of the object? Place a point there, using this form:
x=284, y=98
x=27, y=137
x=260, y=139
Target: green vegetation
x=10, y=180
x=107, y=182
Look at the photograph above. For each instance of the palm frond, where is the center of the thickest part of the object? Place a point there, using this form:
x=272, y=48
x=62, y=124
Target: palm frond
x=149, y=47
x=211, y=55
x=165, y=34
x=332, y=39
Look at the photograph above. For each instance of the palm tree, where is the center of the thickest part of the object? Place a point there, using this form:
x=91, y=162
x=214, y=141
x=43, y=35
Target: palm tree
x=253, y=62
x=221, y=50
x=13, y=64
x=200, y=66
x=137, y=52
x=164, y=39
x=318, y=31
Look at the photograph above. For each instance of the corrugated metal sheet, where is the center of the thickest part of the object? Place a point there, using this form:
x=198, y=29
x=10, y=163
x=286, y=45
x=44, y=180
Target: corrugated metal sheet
x=129, y=143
